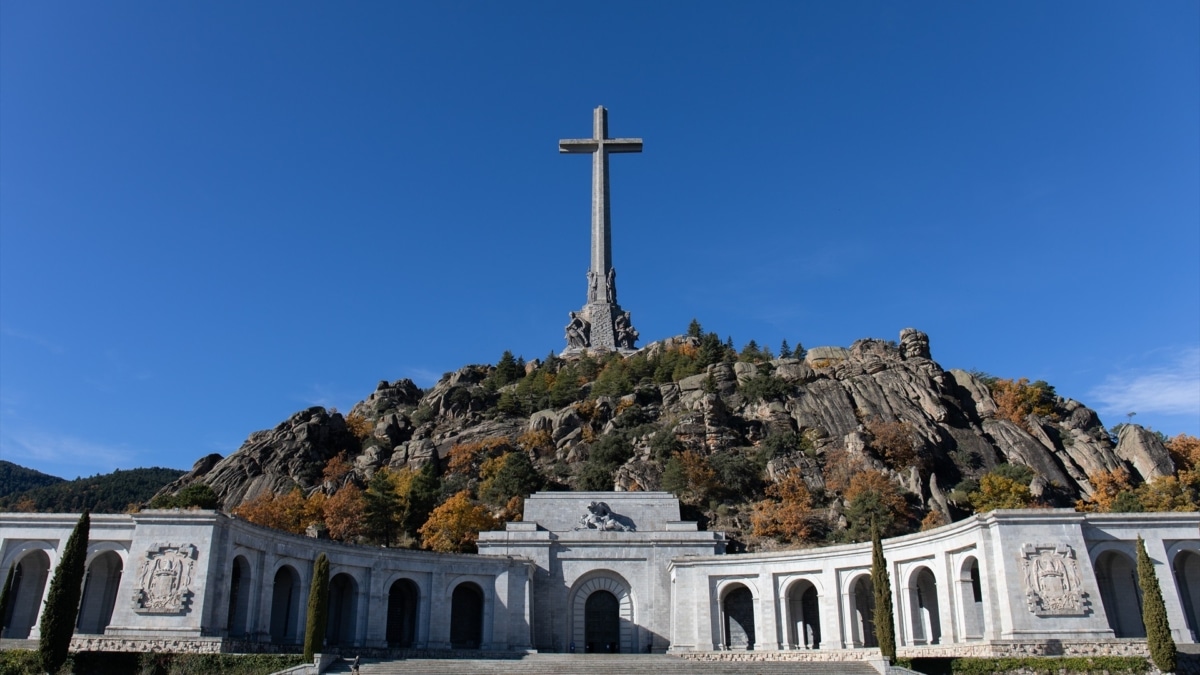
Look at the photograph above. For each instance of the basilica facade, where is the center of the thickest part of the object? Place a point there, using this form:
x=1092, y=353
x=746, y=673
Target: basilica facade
x=615, y=572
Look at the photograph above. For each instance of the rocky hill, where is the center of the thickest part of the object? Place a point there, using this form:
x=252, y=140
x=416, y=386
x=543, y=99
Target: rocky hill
x=717, y=427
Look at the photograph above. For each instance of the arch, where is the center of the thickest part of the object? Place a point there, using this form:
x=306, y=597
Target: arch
x=804, y=615
x=970, y=593
x=616, y=586
x=285, y=606
x=241, y=583
x=343, y=610
x=466, y=616
x=923, y=607
x=27, y=592
x=404, y=598
x=862, y=612
x=99, y=592
x=1116, y=575
x=602, y=623
x=1186, y=570
x=737, y=617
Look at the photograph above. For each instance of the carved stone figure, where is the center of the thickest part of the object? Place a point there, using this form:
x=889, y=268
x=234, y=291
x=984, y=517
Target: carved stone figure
x=626, y=334
x=1051, y=579
x=578, y=332
x=164, y=579
x=611, y=285
x=600, y=517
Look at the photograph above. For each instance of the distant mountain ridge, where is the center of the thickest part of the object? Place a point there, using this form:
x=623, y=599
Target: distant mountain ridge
x=15, y=478
x=115, y=492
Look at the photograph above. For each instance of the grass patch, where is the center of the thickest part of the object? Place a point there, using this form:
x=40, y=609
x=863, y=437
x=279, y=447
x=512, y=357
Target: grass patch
x=1051, y=665
x=26, y=662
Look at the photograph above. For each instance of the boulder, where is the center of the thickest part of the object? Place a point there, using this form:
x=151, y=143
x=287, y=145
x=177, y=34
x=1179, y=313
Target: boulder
x=1145, y=451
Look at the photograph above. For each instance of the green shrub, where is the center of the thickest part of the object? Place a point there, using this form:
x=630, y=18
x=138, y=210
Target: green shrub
x=1154, y=613
x=885, y=619
x=318, y=607
x=62, y=603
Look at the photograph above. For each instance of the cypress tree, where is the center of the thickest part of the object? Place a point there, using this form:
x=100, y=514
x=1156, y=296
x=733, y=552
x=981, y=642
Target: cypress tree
x=62, y=603
x=1154, y=613
x=885, y=632
x=318, y=609
x=4, y=597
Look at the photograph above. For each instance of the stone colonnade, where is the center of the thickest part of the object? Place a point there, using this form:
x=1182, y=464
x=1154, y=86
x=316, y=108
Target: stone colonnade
x=1007, y=582
x=992, y=584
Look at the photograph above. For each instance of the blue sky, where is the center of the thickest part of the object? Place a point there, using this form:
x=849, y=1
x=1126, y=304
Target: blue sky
x=215, y=214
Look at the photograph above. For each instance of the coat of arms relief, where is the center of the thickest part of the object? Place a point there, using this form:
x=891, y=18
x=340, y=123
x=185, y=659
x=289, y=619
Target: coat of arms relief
x=1051, y=578
x=165, y=579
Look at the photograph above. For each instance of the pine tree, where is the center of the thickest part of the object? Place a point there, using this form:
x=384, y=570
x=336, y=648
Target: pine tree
x=785, y=352
x=694, y=329
x=1154, y=613
x=62, y=603
x=318, y=608
x=381, y=509
x=885, y=631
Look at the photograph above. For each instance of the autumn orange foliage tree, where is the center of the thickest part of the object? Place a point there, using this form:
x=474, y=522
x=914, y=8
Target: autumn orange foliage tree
x=336, y=469
x=344, y=513
x=468, y=458
x=1185, y=452
x=282, y=512
x=840, y=466
x=894, y=441
x=1016, y=401
x=1107, y=486
x=1000, y=492
x=787, y=516
x=358, y=425
x=455, y=525
x=690, y=476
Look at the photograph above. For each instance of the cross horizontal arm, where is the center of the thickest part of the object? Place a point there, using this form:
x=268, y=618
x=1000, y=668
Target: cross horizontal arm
x=582, y=145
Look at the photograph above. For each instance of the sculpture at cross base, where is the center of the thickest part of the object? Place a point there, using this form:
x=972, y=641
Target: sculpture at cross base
x=601, y=324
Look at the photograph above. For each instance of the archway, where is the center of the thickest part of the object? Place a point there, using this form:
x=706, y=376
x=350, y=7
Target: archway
x=925, y=617
x=862, y=598
x=804, y=625
x=1187, y=577
x=29, y=585
x=1116, y=575
x=343, y=614
x=240, y=588
x=970, y=593
x=285, y=606
x=582, y=593
x=737, y=611
x=99, y=593
x=466, y=616
x=402, y=613
x=602, y=623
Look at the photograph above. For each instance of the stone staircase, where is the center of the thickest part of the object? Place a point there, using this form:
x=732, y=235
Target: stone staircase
x=601, y=664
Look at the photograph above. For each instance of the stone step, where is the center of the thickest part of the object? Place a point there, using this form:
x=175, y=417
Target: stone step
x=601, y=664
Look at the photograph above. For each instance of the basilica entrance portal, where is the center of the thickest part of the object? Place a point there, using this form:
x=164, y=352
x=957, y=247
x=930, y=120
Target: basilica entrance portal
x=602, y=623
x=602, y=616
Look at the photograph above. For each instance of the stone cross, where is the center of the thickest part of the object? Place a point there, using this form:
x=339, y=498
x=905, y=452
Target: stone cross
x=601, y=324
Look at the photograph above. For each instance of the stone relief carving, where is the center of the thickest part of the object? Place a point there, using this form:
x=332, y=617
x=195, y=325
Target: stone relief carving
x=600, y=517
x=165, y=579
x=1051, y=578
